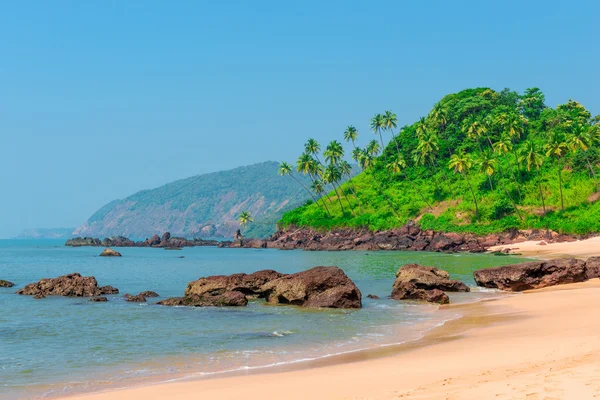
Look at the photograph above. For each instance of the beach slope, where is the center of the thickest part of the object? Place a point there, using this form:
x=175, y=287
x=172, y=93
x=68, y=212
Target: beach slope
x=538, y=345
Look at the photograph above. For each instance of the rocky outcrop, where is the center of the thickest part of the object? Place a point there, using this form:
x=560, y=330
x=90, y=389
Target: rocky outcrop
x=83, y=241
x=109, y=290
x=428, y=278
x=410, y=291
x=226, y=299
x=110, y=253
x=6, y=284
x=167, y=241
x=100, y=299
x=149, y=293
x=67, y=285
x=138, y=298
x=592, y=268
x=407, y=237
x=418, y=282
x=535, y=274
x=248, y=284
x=316, y=287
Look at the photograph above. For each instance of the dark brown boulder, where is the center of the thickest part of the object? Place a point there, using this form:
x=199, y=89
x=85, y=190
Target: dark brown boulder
x=532, y=275
x=149, y=293
x=428, y=278
x=66, y=285
x=592, y=268
x=410, y=291
x=316, y=287
x=100, y=299
x=83, y=241
x=109, y=290
x=6, y=284
x=226, y=299
x=110, y=253
x=138, y=298
x=249, y=284
x=373, y=296
x=153, y=241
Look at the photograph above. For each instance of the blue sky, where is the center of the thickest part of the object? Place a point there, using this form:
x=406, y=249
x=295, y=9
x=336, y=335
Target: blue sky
x=100, y=99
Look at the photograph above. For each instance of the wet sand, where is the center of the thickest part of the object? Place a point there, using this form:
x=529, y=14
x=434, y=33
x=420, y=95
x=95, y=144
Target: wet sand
x=535, y=248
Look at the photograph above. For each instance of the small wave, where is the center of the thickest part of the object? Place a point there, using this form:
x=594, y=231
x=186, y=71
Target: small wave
x=281, y=333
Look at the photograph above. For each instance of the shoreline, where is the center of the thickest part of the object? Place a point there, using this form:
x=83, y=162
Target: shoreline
x=510, y=313
x=478, y=352
x=541, y=250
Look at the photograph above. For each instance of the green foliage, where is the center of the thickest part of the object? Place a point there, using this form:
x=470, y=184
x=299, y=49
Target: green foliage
x=481, y=161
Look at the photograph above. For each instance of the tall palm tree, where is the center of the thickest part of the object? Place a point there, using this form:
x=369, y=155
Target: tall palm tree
x=377, y=125
x=373, y=148
x=557, y=148
x=581, y=140
x=461, y=163
x=533, y=158
x=488, y=164
x=397, y=166
x=244, y=218
x=367, y=161
x=475, y=129
x=286, y=169
x=350, y=135
x=421, y=128
x=318, y=187
x=390, y=122
x=346, y=170
x=504, y=145
x=332, y=175
x=307, y=165
x=333, y=155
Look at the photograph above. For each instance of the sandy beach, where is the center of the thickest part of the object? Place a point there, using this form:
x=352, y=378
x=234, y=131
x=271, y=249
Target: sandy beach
x=542, y=250
x=541, y=344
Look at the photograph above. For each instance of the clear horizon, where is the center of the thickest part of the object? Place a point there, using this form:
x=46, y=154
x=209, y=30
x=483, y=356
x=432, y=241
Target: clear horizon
x=103, y=99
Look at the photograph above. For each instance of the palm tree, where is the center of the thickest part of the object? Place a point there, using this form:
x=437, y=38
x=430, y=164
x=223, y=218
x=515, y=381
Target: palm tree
x=377, y=125
x=307, y=165
x=475, y=129
x=534, y=159
x=346, y=170
x=397, y=166
x=332, y=175
x=421, y=128
x=350, y=135
x=582, y=140
x=373, y=148
x=244, y=218
x=390, y=122
x=438, y=113
x=503, y=146
x=557, y=148
x=461, y=163
x=318, y=187
x=286, y=169
x=487, y=164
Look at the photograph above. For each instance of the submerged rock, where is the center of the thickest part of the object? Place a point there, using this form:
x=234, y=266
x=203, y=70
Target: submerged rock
x=6, y=284
x=149, y=293
x=100, y=299
x=373, y=296
x=226, y=299
x=410, y=291
x=316, y=287
x=535, y=274
x=73, y=285
x=110, y=253
x=138, y=298
x=109, y=290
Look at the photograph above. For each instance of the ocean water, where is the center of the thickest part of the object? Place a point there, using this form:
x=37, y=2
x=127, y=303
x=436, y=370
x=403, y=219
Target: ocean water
x=57, y=346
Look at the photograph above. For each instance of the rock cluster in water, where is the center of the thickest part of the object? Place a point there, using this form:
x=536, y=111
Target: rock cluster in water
x=418, y=282
x=538, y=274
x=110, y=253
x=73, y=285
x=140, y=297
x=317, y=287
x=164, y=241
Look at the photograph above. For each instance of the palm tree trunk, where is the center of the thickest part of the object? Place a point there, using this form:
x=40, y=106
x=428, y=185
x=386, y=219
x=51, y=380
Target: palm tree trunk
x=339, y=197
x=591, y=169
x=490, y=182
x=541, y=194
x=473, y=193
x=382, y=146
x=305, y=188
x=562, y=202
x=347, y=201
x=418, y=191
x=508, y=195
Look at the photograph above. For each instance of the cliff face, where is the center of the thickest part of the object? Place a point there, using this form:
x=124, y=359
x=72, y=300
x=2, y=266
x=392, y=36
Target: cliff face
x=201, y=206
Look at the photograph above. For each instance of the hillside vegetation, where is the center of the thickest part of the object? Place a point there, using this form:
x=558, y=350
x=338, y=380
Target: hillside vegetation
x=481, y=161
x=201, y=206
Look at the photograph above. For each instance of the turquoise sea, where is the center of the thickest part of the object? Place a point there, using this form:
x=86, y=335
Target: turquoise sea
x=57, y=346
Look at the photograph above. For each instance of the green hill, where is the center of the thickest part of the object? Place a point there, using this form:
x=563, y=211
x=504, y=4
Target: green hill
x=204, y=205
x=482, y=161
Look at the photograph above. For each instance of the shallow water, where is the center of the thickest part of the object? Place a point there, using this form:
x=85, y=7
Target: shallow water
x=61, y=345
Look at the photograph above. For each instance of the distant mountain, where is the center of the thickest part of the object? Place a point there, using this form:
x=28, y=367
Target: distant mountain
x=46, y=233
x=202, y=206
